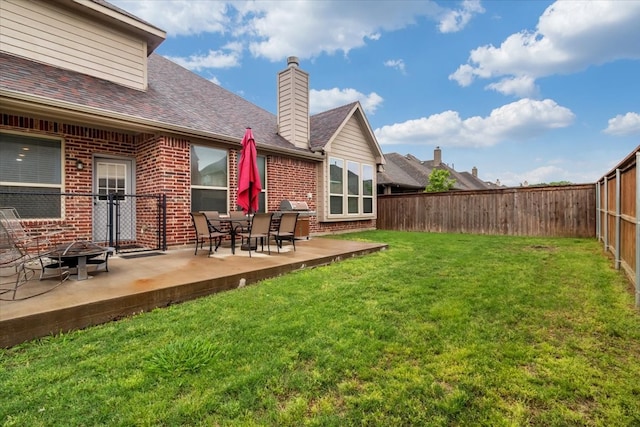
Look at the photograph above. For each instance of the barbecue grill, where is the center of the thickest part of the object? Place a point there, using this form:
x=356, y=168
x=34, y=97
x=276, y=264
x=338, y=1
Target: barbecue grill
x=304, y=214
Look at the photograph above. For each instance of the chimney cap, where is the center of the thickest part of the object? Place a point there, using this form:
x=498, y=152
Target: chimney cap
x=293, y=61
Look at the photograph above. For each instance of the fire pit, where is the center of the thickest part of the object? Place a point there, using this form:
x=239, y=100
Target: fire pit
x=78, y=254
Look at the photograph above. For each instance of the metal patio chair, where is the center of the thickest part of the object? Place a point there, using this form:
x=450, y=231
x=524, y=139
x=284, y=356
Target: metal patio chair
x=217, y=226
x=259, y=228
x=286, y=229
x=240, y=221
x=19, y=266
x=33, y=240
x=204, y=231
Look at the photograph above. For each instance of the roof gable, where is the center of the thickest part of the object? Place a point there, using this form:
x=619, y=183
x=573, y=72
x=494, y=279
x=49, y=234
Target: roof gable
x=326, y=126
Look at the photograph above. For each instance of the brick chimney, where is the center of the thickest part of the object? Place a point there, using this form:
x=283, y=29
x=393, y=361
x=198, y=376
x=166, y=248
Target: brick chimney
x=293, y=104
x=437, y=157
x=474, y=172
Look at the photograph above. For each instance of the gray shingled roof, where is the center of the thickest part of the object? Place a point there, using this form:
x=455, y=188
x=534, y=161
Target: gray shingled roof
x=464, y=180
x=324, y=125
x=410, y=172
x=395, y=174
x=473, y=182
x=175, y=97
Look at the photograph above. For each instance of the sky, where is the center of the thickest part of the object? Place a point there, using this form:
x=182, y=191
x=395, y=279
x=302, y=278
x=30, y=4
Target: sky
x=528, y=92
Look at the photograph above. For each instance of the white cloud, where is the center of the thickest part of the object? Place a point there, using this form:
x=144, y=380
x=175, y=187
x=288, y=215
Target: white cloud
x=544, y=174
x=519, y=120
x=522, y=87
x=228, y=58
x=539, y=175
x=323, y=100
x=570, y=36
x=624, y=125
x=456, y=20
x=398, y=64
x=302, y=28
x=308, y=28
x=180, y=17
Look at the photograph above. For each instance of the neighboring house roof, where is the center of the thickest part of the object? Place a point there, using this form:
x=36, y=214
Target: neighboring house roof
x=473, y=182
x=177, y=100
x=464, y=180
x=399, y=172
x=410, y=172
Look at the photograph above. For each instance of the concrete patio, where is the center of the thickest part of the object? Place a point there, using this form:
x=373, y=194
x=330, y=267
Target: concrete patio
x=147, y=281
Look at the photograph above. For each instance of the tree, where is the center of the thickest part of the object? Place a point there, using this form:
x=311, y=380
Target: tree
x=439, y=180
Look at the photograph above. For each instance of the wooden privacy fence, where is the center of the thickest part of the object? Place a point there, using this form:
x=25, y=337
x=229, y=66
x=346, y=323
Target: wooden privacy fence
x=617, y=224
x=567, y=211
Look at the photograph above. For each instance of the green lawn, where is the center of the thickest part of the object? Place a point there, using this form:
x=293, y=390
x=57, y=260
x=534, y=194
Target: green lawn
x=440, y=329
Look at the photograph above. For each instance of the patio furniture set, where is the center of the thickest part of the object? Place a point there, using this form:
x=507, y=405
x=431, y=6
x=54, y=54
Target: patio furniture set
x=252, y=229
x=35, y=255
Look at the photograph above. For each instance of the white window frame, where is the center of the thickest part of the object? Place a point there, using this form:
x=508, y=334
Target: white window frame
x=351, y=167
x=224, y=188
x=373, y=189
x=17, y=185
x=341, y=195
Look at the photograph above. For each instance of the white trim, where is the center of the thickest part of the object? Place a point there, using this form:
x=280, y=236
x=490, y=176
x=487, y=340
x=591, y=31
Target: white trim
x=345, y=215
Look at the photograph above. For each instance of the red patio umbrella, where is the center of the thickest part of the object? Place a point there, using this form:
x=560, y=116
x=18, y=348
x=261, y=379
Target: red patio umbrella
x=249, y=186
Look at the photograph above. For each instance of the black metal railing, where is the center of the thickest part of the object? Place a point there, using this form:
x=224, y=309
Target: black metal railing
x=126, y=222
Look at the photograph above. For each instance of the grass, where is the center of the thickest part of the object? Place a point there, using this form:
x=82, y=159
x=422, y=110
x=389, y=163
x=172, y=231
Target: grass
x=438, y=330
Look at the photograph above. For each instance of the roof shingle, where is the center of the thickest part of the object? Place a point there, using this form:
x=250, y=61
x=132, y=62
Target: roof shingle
x=175, y=96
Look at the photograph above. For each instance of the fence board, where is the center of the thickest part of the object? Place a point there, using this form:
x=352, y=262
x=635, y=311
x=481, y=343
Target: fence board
x=568, y=211
x=617, y=210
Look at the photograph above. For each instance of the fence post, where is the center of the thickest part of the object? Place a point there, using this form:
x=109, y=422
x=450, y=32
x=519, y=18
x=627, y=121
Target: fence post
x=598, y=209
x=163, y=198
x=606, y=214
x=637, y=267
x=618, y=213
x=110, y=219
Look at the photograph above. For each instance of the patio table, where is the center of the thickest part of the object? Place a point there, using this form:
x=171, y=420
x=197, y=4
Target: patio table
x=77, y=254
x=233, y=224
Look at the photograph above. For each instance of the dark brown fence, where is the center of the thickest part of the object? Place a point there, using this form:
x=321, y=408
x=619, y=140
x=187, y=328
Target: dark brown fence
x=618, y=197
x=524, y=211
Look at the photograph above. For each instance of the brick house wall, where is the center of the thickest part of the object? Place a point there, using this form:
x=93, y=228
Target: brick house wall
x=162, y=166
x=80, y=143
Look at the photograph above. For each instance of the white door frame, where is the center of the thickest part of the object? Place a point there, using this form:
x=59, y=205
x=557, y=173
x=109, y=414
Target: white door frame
x=113, y=175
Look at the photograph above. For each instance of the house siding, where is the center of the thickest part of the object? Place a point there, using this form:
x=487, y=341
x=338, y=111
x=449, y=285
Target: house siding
x=46, y=33
x=349, y=144
x=293, y=106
